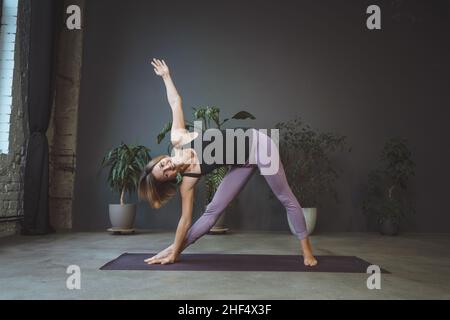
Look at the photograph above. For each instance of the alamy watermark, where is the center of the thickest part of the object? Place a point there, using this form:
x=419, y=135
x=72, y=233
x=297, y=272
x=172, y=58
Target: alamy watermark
x=228, y=146
x=374, y=280
x=73, y=20
x=373, y=22
x=73, y=281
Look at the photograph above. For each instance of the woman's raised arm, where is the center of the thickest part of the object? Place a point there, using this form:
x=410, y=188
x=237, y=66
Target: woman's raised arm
x=179, y=134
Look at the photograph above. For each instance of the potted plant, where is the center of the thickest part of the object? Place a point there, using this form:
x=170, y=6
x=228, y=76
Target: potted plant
x=210, y=117
x=387, y=197
x=306, y=156
x=125, y=163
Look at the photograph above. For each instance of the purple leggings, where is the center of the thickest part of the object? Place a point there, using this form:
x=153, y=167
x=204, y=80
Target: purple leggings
x=235, y=180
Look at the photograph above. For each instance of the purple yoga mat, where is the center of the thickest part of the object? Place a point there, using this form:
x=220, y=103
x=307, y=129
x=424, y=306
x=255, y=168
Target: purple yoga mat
x=241, y=262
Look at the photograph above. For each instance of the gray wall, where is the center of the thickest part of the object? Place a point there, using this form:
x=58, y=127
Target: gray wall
x=278, y=60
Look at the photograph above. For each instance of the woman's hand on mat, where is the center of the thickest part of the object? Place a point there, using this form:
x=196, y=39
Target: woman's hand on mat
x=164, y=260
x=163, y=254
x=160, y=67
x=169, y=260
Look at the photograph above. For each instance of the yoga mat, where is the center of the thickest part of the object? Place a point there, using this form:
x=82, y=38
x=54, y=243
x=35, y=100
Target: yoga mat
x=241, y=262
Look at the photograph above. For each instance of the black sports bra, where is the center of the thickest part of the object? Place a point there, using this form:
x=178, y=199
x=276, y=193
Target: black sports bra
x=191, y=174
x=206, y=168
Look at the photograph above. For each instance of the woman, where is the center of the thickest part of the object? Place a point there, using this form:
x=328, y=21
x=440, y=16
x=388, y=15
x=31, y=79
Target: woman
x=158, y=181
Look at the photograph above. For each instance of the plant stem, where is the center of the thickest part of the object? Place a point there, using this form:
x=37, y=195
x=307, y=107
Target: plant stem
x=122, y=196
x=390, y=191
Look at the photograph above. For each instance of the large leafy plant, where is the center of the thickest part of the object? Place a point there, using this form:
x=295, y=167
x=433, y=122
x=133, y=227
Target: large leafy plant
x=306, y=156
x=210, y=116
x=387, y=197
x=125, y=163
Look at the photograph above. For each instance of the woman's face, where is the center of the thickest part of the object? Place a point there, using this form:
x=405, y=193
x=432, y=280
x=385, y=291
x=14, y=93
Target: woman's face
x=164, y=170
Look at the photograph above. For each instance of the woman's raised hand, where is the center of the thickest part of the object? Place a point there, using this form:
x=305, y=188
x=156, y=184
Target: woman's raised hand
x=160, y=67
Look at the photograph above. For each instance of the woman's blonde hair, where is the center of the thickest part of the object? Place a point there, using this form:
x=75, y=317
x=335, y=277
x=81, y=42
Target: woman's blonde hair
x=155, y=192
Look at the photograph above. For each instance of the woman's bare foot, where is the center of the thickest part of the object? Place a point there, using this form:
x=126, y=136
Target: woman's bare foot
x=309, y=259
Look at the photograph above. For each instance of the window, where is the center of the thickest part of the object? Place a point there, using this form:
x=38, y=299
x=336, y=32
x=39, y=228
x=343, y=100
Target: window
x=8, y=26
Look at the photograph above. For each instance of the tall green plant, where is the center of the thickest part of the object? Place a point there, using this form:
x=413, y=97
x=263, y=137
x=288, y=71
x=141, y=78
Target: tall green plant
x=387, y=197
x=125, y=163
x=210, y=117
x=306, y=156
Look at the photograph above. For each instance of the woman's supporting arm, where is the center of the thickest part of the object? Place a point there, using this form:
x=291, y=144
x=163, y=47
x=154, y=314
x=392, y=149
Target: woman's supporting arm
x=170, y=254
x=187, y=203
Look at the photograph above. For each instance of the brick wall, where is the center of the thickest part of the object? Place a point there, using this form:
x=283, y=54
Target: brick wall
x=12, y=165
x=61, y=134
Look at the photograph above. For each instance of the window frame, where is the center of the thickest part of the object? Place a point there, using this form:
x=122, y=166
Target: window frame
x=7, y=65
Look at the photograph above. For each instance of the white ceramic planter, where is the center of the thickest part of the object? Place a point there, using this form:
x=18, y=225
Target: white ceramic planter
x=122, y=217
x=219, y=226
x=310, y=217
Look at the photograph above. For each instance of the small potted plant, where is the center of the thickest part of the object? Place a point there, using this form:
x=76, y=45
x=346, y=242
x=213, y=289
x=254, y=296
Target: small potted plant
x=125, y=164
x=306, y=157
x=387, y=198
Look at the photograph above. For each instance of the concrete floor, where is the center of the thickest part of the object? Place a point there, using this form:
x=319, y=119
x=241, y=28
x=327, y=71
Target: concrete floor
x=35, y=268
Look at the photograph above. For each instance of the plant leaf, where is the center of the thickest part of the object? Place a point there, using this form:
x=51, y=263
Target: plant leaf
x=164, y=131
